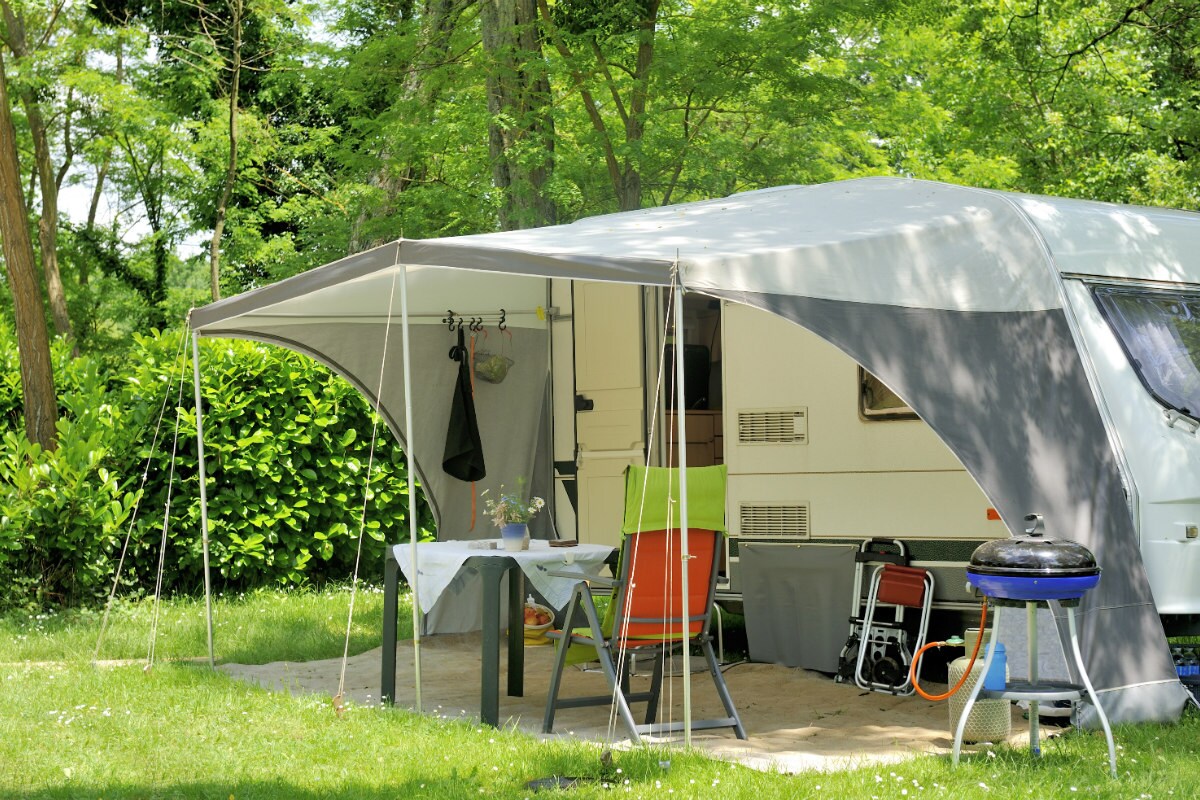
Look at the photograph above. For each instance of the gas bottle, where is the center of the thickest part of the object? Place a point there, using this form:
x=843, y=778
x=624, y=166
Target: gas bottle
x=990, y=720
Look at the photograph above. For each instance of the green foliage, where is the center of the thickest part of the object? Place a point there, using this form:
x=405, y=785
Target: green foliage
x=286, y=215
x=287, y=451
x=62, y=511
x=1074, y=98
x=600, y=18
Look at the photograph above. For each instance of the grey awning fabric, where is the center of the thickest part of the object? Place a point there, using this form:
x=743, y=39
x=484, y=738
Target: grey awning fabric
x=882, y=241
x=514, y=440
x=1008, y=395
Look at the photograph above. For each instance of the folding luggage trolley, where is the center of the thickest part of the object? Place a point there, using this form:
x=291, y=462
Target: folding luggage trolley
x=877, y=655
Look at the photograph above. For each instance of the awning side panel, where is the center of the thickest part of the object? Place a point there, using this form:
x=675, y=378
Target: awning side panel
x=1008, y=395
x=510, y=412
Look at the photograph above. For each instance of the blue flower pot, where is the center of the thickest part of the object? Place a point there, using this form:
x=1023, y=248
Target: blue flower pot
x=514, y=535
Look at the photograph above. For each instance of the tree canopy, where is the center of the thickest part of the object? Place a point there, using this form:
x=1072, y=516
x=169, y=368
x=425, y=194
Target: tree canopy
x=167, y=153
x=211, y=146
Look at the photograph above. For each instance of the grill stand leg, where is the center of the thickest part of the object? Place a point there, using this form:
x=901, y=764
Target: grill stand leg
x=1034, y=725
x=1035, y=717
x=1087, y=684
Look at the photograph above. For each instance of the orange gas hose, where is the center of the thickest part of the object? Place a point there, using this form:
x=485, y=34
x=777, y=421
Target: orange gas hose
x=912, y=669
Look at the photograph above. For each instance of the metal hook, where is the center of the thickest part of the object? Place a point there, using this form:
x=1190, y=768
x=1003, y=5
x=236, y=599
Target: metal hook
x=449, y=319
x=503, y=313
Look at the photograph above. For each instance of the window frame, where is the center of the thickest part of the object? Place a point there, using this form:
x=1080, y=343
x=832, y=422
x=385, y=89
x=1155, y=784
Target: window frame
x=1182, y=293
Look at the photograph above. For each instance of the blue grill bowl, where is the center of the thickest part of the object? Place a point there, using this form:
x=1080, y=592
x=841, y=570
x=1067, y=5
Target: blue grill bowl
x=1033, y=587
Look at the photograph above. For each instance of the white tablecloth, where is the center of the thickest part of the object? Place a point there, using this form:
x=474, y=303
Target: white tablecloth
x=440, y=562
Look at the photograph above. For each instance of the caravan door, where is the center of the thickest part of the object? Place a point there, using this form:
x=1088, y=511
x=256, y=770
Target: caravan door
x=609, y=403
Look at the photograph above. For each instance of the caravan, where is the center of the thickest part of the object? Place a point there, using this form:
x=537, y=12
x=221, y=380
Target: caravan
x=871, y=358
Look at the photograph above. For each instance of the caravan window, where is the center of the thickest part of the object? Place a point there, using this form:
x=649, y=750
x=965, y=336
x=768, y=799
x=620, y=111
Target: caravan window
x=877, y=402
x=1160, y=331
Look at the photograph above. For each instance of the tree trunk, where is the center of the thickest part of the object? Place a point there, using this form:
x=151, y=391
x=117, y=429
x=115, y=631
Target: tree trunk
x=214, y=252
x=624, y=173
x=48, y=221
x=37, y=375
x=629, y=193
x=47, y=180
x=518, y=96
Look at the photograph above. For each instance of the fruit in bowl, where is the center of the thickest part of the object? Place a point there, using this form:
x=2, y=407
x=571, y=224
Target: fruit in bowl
x=536, y=615
x=538, y=620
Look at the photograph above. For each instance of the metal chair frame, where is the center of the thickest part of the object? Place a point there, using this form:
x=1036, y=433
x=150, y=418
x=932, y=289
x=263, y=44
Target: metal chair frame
x=869, y=624
x=608, y=648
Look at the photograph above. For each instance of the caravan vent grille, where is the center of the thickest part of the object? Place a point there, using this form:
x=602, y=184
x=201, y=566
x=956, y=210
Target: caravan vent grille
x=763, y=521
x=775, y=426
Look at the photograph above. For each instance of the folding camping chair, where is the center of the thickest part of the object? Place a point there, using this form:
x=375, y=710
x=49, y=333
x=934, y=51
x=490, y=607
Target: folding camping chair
x=887, y=670
x=646, y=613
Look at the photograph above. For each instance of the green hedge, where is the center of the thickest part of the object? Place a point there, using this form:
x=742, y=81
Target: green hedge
x=286, y=449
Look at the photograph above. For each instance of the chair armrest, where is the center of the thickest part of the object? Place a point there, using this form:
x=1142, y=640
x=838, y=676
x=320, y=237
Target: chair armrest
x=580, y=576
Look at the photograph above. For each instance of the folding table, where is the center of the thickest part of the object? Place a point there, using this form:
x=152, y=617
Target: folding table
x=441, y=562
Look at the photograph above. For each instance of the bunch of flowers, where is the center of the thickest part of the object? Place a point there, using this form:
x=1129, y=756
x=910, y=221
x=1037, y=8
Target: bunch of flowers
x=510, y=508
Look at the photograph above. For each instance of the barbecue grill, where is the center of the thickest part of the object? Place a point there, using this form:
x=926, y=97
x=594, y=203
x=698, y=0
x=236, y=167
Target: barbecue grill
x=1033, y=571
x=1033, y=568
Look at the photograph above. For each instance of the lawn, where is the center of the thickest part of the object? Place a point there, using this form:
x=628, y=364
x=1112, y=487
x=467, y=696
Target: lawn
x=180, y=730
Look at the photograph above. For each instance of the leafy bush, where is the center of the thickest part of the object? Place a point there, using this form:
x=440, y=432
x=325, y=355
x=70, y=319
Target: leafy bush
x=287, y=446
x=61, y=511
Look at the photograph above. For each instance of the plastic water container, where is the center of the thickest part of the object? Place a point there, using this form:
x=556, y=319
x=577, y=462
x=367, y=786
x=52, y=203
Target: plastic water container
x=995, y=681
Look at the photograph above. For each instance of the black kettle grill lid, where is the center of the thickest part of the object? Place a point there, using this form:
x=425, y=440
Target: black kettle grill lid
x=1033, y=554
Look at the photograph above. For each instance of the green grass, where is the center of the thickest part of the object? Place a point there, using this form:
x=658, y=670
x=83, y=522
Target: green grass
x=71, y=730
x=252, y=628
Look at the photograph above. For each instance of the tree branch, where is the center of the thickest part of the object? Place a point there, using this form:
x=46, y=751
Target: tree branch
x=589, y=103
x=608, y=80
x=1095, y=41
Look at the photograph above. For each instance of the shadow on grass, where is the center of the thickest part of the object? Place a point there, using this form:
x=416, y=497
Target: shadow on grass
x=549, y=775
x=268, y=790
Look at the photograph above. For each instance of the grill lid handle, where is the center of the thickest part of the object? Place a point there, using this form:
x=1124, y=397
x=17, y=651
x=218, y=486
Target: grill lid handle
x=1035, y=525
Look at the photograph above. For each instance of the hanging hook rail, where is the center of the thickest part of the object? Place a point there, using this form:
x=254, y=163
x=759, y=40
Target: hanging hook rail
x=477, y=321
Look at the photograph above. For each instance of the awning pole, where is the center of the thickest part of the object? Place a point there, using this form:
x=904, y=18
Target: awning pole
x=212, y=662
x=412, y=489
x=685, y=554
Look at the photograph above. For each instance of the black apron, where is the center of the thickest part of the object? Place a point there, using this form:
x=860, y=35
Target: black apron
x=463, y=458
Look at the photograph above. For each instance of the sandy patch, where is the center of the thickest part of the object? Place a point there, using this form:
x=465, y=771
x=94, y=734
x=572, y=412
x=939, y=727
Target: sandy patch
x=797, y=720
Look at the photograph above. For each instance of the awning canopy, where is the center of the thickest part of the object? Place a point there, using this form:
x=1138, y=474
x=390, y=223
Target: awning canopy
x=951, y=295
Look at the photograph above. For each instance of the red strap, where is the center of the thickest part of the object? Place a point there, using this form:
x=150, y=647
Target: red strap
x=471, y=364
